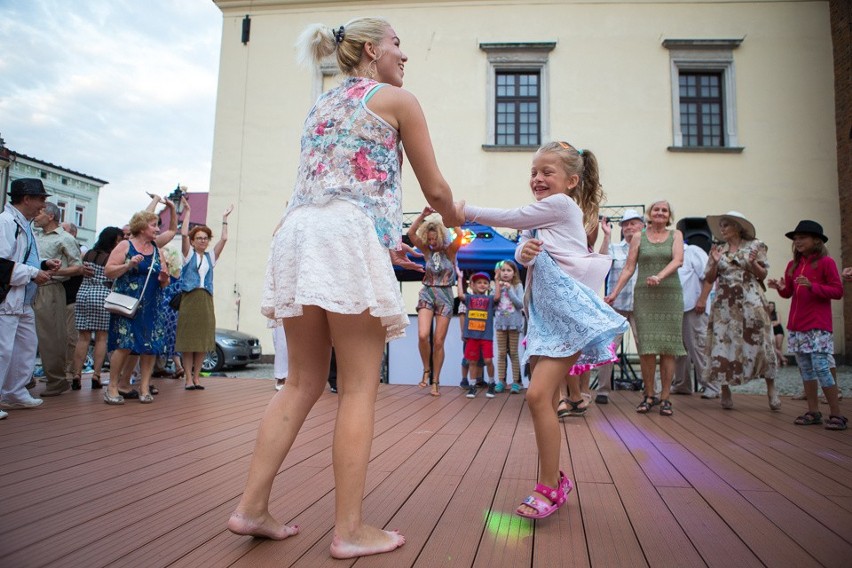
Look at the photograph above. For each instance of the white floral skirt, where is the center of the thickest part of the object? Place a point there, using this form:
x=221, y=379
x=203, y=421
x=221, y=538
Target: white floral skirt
x=329, y=256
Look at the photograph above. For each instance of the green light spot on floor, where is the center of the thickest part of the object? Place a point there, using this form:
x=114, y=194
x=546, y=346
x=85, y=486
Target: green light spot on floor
x=507, y=526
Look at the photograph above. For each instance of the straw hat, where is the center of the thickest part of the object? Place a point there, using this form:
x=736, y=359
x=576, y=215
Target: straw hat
x=748, y=231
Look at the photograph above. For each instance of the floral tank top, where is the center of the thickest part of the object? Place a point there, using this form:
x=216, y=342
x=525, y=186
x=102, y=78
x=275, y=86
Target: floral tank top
x=350, y=153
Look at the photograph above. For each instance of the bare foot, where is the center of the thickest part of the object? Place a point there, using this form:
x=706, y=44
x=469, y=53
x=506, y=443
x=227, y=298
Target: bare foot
x=370, y=540
x=265, y=527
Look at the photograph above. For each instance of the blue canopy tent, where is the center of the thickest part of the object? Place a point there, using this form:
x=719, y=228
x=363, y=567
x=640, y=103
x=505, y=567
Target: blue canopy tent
x=487, y=248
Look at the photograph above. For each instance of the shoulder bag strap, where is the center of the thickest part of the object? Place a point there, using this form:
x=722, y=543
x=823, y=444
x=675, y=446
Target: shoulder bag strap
x=154, y=256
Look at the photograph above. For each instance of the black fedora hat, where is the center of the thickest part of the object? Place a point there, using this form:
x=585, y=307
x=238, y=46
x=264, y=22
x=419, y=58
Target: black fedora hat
x=28, y=186
x=806, y=227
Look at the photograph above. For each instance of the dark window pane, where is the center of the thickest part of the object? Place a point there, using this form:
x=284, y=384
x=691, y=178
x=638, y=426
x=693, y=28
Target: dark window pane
x=701, y=108
x=517, y=107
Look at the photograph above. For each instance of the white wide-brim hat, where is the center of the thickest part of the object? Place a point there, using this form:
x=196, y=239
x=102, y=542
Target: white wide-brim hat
x=748, y=231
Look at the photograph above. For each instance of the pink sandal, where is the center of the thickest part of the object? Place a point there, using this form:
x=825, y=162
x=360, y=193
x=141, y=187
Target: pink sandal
x=558, y=497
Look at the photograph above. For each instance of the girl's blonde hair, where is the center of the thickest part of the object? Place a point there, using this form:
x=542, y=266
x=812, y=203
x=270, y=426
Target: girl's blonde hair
x=140, y=220
x=434, y=223
x=588, y=193
x=516, y=276
x=671, y=213
x=318, y=41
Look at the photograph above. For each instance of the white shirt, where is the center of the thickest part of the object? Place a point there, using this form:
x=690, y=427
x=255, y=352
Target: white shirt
x=691, y=274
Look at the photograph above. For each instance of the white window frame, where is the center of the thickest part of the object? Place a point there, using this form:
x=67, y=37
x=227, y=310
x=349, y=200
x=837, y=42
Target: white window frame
x=79, y=212
x=707, y=55
x=512, y=57
x=63, y=209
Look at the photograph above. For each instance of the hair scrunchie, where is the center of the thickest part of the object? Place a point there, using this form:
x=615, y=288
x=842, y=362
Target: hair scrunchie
x=339, y=34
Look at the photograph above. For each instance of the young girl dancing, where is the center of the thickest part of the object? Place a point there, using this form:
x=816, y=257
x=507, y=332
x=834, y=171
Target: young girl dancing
x=812, y=280
x=508, y=322
x=566, y=317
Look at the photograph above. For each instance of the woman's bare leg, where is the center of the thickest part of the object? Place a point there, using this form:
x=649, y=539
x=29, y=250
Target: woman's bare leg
x=667, y=368
x=359, y=343
x=309, y=347
x=424, y=330
x=648, y=365
x=442, y=324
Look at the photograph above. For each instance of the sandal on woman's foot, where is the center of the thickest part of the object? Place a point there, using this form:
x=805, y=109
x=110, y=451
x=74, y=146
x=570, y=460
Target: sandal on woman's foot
x=647, y=403
x=131, y=394
x=96, y=382
x=557, y=498
x=574, y=408
x=435, y=391
x=808, y=419
x=76, y=383
x=836, y=422
x=666, y=408
x=179, y=374
x=146, y=398
x=154, y=390
x=109, y=399
x=424, y=382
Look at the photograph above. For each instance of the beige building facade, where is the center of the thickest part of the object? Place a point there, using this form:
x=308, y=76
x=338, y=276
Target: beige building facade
x=713, y=106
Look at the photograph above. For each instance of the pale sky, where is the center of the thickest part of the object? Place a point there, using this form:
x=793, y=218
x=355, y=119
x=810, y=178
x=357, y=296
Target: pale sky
x=121, y=90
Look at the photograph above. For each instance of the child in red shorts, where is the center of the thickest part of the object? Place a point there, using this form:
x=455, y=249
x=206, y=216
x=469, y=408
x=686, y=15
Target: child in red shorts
x=478, y=330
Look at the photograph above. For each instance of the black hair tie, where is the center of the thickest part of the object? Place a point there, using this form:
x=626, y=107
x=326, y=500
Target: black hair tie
x=339, y=34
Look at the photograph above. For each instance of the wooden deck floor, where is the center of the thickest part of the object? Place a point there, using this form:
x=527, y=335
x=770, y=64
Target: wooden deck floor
x=89, y=485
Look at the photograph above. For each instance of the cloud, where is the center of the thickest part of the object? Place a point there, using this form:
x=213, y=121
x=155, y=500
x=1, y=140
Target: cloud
x=118, y=89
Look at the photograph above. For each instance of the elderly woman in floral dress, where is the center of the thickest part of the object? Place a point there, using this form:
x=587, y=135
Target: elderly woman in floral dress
x=740, y=346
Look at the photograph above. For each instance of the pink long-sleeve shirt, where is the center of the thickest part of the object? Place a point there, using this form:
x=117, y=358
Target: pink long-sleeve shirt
x=559, y=223
x=811, y=306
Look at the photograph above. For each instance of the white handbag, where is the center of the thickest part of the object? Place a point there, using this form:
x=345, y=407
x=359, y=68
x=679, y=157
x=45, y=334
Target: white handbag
x=124, y=305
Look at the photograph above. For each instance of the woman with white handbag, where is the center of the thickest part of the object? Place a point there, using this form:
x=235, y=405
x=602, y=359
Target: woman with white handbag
x=138, y=272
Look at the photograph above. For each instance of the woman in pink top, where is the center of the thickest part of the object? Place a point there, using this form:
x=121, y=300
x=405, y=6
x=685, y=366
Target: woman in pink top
x=812, y=280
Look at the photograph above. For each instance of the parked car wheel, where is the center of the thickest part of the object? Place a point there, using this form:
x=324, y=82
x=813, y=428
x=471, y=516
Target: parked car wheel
x=213, y=361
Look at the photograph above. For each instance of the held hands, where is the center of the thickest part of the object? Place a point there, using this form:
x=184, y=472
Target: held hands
x=457, y=218
x=532, y=248
x=53, y=264
x=775, y=284
x=163, y=277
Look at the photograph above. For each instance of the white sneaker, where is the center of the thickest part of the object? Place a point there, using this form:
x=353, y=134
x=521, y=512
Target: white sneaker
x=3, y=414
x=30, y=402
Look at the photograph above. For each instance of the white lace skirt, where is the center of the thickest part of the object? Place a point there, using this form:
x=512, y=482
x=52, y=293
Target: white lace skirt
x=329, y=256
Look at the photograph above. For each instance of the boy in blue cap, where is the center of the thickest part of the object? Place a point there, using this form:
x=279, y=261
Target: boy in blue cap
x=478, y=330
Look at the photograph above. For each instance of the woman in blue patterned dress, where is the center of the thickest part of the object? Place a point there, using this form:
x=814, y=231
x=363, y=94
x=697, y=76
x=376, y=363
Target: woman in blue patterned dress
x=329, y=276
x=89, y=315
x=145, y=333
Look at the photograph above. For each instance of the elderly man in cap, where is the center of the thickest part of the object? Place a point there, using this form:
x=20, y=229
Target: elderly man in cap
x=50, y=307
x=18, y=341
x=631, y=224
